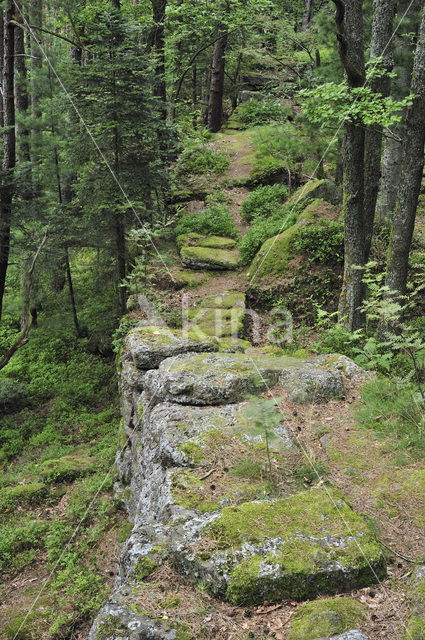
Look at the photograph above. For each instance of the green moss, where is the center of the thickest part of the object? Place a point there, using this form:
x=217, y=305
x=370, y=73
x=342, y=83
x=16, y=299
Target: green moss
x=403, y=486
x=124, y=531
x=190, y=279
x=187, y=492
x=314, y=189
x=302, y=523
x=122, y=438
x=171, y=603
x=220, y=258
x=274, y=256
x=67, y=468
x=145, y=566
x=415, y=629
x=209, y=242
x=221, y=323
x=192, y=451
x=226, y=300
x=111, y=627
x=325, y=618
x=33, y=493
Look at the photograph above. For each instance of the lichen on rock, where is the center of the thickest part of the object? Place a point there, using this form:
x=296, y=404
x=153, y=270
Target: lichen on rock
x=326, y=618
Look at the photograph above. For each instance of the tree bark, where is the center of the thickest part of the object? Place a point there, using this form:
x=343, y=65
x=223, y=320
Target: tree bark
x=36, y=9
x=308, y=14
x=411, y=177
x=21, y=89
x=9, y=146
x=393, y=148
x=382, y=28
x=158, y=43
x=215, y=103
x=349, y=21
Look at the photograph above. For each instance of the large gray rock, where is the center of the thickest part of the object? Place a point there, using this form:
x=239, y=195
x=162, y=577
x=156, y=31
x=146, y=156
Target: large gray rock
x=119, y=619
x=299, y=547
x=312, y=385
x=147, y=347
x=337, y=362
x=201, y=379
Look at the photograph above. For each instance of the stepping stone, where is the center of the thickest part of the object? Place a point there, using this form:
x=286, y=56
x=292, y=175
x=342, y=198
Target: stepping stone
x=201, y=379
x=213, y=379
x=300, y=547
x=211, y=259
x=326, y=617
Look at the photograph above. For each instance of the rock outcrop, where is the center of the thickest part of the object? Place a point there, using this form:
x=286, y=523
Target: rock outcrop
x=208, y=478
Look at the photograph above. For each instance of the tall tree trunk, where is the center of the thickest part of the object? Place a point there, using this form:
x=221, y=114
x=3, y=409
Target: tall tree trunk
x=1, y=65
x=215, y=103
x=158, y=42
x=36, y=14
x=382, y=28
x=308, y=14
x=21, y=89
x=411, y=177
x=403, y=53
x=349, y=21
x=9, y=146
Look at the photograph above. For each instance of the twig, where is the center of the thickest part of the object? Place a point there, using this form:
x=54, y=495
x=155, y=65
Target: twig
x=207, y=475
x=396, y=553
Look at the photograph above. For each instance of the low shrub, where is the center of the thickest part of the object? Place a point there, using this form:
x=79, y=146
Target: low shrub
x=393, y=408
x=214, y=220
x=264, y=201
x=13, y=395
x=279, y=150
x=254, y=113
x=201, y=159
x=323, y=243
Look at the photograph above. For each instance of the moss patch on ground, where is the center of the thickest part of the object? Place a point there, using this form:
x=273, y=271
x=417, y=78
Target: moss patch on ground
x=326, y=618
x=405, y=487
x=67, y=468
x=23, y=494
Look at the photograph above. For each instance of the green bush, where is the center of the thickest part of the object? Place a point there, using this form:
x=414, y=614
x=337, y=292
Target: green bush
x=254, y=113
x=264, y=201
x=279, y=150
x=201, y=159
x=12, y=395
x=323, y=243
x=393, y=408
x=214, y=220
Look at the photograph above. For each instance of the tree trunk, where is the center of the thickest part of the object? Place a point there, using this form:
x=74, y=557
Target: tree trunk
x=9, y=142
x=71, y=294
x=349, y=21
x=36, y=64
x=403, y=54
x=21, y=89
x=158, y=42
x=1, y=65
x=411, y=177
x=382, y=29
x=308, y=14
x=215, y=103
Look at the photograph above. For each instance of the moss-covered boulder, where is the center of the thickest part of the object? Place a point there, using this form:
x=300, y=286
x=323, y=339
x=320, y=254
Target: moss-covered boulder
x=222, y=323
x=312, y=385
x=325, y=618
x=225, y=300
x=189, y=279
x=67, y=468
x=22, y=494
x=299, y=547
x=415, y=629
x=211, y=379
x=147, y=346
x=323, y=189
x=275, y=255
x=211, y=259
x=209, y=242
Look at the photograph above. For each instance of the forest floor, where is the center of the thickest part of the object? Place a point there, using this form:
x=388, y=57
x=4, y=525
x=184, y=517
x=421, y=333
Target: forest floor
x=380, y=480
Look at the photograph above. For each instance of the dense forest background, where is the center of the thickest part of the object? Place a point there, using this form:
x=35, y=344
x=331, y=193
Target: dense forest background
x=109, y=115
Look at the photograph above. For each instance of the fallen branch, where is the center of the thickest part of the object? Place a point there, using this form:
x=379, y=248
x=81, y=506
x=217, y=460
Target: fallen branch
x=396, y=553
x=26, y=315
